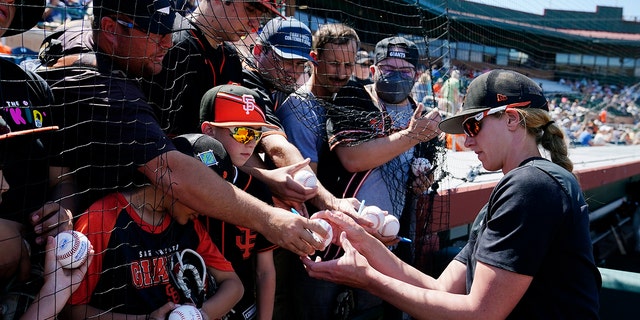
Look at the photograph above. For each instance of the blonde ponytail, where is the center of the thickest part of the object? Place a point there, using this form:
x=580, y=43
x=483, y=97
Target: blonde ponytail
x=548, y=134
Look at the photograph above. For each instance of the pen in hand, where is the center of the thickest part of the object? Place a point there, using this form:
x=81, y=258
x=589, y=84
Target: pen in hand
x=403, y=239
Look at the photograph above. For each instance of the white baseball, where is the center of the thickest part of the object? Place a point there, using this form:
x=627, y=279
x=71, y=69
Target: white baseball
x=325, y=241
x=420, y=165
x=185, y=312
x=390, y=227
x=373, y=214
x=306, y=178
x=72, y=248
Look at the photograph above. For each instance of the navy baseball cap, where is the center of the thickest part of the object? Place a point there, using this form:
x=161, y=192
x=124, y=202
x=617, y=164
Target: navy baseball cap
x=155, y=16
x=209, y=151
x=28, y=13
x=289, y=38
x=386, y=48
x=493, y=89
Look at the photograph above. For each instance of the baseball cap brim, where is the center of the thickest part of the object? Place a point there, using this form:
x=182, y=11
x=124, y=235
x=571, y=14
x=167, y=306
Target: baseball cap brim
x=27, y=15
x=268, y=4
x=291, y=53
x=162, y=23
x=243, y=124
x=453, y=125
x=27, y=132
x=153, y=16
x=496, y=88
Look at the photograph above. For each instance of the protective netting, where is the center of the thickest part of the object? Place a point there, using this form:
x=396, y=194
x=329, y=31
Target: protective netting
x=456, y=42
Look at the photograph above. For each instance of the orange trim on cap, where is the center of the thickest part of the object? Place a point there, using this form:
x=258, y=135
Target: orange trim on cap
x=519, y=104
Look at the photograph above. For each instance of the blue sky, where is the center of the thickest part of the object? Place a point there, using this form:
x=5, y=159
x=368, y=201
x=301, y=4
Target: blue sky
x=630, y=8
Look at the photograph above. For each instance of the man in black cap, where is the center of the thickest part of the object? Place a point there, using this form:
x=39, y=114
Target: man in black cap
x=383, y=137
x=109, y=133
x=377, y=138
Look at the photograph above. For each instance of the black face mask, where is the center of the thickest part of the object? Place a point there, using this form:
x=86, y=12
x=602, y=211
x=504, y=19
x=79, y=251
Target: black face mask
x=393, y=87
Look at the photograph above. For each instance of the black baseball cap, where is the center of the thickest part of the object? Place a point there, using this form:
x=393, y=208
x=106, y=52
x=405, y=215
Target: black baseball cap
x=23, y=121
x=209, y=151
x=28, y=13
x=17, y=130
x=495, y=89
x=385, y=49
x=155, y=16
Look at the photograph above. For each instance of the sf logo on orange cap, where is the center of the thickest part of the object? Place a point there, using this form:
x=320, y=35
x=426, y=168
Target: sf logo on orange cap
x=249, y=103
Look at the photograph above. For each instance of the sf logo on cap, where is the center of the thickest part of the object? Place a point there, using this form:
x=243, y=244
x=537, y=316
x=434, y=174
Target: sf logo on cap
x=249, y=103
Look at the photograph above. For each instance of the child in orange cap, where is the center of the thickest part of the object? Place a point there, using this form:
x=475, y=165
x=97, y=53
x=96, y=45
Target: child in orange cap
x=234, y=116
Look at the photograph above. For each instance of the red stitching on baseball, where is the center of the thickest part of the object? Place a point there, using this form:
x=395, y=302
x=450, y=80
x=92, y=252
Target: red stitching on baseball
x=75, y=241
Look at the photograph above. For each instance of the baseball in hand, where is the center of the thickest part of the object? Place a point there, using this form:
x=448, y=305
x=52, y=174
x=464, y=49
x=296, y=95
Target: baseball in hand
x=420, y=165
x=72, y=248
x=374, y=215
x=326, y=241
x=185, y=312
x=306, y=178
x=390, y=227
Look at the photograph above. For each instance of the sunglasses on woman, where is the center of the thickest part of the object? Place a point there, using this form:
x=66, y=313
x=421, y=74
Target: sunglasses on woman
x=245, y=134
x=471, y=125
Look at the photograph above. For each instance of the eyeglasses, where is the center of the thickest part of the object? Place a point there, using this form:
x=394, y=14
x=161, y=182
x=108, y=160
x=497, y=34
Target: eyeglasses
x=244, y=134
x=386, y=69
x=471, y=125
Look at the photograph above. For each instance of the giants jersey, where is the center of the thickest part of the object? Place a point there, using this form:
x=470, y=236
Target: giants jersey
x=128, y=274
x=241, y=245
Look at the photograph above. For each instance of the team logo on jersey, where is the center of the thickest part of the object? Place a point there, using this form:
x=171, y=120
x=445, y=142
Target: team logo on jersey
x=149, y=272
x=246, y=241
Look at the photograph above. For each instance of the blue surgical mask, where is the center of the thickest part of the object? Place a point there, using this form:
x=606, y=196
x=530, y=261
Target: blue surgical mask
x=393, y=87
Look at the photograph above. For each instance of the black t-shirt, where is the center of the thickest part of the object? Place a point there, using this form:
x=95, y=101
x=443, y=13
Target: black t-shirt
x=536, y=223
x=25, y=98
x=241, y=245
x=107, y=128
x=354, y=117
x=190, y=68
x=252, y=79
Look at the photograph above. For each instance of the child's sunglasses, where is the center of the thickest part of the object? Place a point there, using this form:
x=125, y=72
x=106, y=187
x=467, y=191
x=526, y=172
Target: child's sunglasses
x=245, y=134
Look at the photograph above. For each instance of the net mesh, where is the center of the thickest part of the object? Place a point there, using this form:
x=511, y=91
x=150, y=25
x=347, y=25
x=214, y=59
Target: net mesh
x=594, y=73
